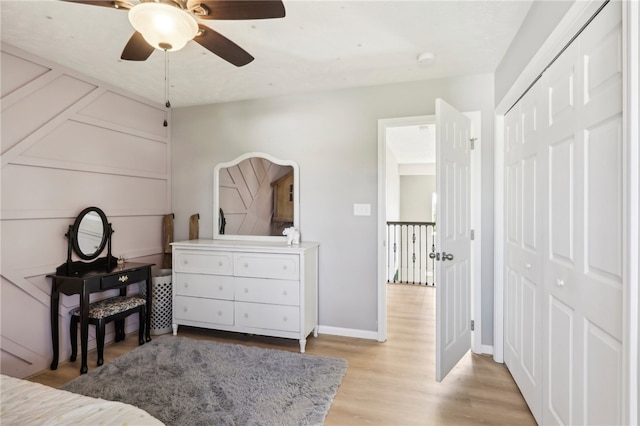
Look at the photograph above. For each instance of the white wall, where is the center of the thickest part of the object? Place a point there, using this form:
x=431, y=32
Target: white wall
x=415, y=197
x=69, y=142
x=393, y=187
x=333, y=137
x=541, y=20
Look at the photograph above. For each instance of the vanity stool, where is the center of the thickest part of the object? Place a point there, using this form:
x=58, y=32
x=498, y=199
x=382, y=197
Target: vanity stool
x=100, y=313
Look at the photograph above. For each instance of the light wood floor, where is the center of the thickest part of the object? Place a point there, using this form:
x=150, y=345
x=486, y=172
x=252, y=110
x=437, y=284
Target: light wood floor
x=389, y=383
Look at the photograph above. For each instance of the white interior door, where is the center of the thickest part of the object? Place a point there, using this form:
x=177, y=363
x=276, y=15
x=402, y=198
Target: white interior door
x=565, y=233
x=453, y=237
x=523, y=246
x=584, y=263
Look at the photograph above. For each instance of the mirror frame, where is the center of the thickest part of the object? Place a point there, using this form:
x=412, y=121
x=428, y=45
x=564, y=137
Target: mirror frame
x=106, y=233
x=216, y=198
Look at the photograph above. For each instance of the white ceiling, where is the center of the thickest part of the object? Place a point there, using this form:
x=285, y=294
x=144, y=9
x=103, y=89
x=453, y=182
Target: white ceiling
x=319, y=45
x=413, y=144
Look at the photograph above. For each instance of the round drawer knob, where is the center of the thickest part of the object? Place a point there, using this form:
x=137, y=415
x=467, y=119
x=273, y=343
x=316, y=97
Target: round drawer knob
x=185, y=309
x=284, y=267
x=220, y=263
x=246, y=290
x=284, y=319
x=528, y=266
x=219, y=313
x=185, y=262
x=186, y=285
x=284, y=293
x=220, y=288
x=559, y=282
x=246, y=315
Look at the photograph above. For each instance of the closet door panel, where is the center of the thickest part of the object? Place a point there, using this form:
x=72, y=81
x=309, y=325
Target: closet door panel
x=560, y=364
x=512, y=319
x=514, y=204
x=561, y=202
x=603, y=240
x=523, y=249
x=604, y=187
x=562, y=234
x=583, y=270
x=601, y=300
x=566, y=232
x=530, y=323
x=603, y=358
x=529, y=203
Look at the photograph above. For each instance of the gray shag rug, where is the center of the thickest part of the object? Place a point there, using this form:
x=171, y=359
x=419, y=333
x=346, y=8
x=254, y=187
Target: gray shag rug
x=182, y=381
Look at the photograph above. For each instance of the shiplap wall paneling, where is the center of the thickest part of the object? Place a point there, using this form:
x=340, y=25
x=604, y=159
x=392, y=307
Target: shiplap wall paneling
x=69, y=142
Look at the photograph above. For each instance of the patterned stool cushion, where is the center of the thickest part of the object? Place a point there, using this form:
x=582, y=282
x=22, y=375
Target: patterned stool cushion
x=111, y=306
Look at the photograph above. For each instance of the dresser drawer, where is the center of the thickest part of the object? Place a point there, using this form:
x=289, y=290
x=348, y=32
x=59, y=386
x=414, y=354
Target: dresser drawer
x=271, y=317
x=210, y=286
x=285, y=267
x=220, y=263
x=210, y=311
x=122, y=279
x=279, y=292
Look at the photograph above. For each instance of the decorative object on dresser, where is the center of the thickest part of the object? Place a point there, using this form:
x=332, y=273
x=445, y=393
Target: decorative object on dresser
x=292, y=234
x=194, y=226
x=167, y=239
x=183, y=381
x=87, y=238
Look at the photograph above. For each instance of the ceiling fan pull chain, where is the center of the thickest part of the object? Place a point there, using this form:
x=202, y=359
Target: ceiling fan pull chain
x=166, y=79
x=166, y=83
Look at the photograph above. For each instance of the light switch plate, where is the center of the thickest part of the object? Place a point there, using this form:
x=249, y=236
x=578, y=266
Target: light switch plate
x=362, y=209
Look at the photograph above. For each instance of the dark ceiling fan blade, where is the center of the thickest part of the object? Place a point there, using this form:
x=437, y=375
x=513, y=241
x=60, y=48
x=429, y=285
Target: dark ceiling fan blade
x=137, y=49
x=222, y=46
x=114, y=4
x=242, y=9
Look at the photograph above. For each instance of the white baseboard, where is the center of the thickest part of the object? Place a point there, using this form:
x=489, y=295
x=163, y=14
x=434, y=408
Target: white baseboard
x=486, y=349
x=348, y=332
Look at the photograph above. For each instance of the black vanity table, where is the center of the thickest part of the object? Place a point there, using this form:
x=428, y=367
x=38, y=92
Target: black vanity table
x=101, y=274
x=84, y=279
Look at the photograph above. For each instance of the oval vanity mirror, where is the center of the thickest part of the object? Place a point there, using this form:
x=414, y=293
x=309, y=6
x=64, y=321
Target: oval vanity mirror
x=90, y=233
x=255, y=197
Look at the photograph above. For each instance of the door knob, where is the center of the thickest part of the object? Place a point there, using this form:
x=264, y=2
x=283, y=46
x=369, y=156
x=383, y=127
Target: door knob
x=447, y=256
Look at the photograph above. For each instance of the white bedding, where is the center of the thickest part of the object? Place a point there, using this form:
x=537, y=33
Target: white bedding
x=28, y=403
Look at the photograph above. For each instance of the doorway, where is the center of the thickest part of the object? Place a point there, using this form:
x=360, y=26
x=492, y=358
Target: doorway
x=387, y=167
x=411, y=202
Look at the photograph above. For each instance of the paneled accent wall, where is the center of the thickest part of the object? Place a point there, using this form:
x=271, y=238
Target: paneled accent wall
x=69, y=142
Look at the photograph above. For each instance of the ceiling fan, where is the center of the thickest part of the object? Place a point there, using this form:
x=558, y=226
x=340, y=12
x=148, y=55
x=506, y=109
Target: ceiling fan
x=169, y=24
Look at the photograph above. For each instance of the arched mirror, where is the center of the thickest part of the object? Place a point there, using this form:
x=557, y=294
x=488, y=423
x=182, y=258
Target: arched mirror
x=255, y=197
x=90, y=233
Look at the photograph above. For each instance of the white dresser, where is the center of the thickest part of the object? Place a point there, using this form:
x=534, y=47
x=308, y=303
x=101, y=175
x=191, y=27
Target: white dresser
x=265, y=288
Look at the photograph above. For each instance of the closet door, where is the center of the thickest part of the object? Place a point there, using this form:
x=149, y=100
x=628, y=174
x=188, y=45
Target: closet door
x=583, y=267
x=523, y=289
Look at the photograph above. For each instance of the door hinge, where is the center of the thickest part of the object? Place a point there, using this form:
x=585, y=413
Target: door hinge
x=472, y=144
x=473, y=325
x=473, y=235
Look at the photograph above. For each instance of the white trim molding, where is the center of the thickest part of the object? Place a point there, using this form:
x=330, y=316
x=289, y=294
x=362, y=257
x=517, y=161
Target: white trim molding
x=348, y=332
x=631, y=112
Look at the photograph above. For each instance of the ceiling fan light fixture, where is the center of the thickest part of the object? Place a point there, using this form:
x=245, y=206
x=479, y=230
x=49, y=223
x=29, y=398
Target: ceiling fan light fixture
x=163, y=26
